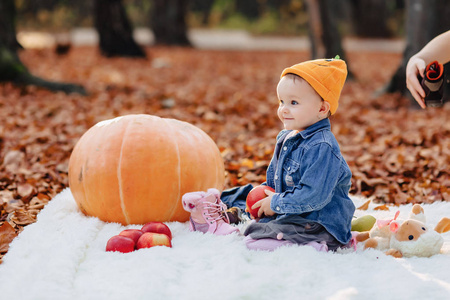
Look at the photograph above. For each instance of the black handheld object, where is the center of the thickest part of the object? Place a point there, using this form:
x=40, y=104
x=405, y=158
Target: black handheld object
x=433, y=84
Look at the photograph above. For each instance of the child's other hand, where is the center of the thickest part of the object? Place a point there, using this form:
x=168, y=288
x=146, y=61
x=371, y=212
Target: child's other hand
x=264, y=205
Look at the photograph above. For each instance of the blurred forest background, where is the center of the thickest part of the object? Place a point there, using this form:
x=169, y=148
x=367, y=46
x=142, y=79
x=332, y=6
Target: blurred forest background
x=275, y=17
x=52, y=90
x=325, y=22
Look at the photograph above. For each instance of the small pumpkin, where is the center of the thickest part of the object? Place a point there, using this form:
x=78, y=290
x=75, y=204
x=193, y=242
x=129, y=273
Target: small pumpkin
x=135, y=169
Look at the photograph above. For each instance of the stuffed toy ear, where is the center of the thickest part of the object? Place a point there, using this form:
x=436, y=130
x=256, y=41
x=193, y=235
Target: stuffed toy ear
x=382, y=223
x=393, y=226
x=443, y=225
x=417, y=209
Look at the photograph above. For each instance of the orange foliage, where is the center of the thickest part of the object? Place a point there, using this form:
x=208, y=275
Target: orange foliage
x=397, y=154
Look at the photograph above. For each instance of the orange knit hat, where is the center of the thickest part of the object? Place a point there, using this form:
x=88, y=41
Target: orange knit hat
x=326, y=76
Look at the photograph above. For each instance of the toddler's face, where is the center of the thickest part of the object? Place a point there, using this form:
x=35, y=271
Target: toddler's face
x=299, y=103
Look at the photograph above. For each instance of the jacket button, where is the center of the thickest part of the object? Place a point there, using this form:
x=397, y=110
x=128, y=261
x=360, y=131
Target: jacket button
x=276, y=177
x=284, y=148
x=277, y=208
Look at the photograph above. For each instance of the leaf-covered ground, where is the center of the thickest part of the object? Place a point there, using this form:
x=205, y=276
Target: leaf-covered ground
x=397, y=154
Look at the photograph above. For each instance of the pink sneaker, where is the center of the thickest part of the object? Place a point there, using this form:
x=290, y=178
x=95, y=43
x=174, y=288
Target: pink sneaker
x=207, y=212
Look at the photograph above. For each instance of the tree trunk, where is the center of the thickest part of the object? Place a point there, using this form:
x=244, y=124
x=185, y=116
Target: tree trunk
x=330, y=35
x=7, y=25
x=11, y=68
x=370, y=18
x=315, y=31
x=114, y=29
x=168, y=22
x=248, y=8
x=323, y=33
x=425, y=19
x=204, y=7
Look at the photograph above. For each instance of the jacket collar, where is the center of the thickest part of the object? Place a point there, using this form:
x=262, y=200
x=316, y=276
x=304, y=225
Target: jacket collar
x=318, y=126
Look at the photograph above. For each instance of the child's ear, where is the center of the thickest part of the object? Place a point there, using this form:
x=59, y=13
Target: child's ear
x=325, y=108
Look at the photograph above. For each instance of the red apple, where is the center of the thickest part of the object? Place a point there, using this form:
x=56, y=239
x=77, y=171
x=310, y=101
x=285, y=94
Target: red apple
x=134, y=234
x=157, y=227
x=120, y=243
x=256, y=194
x=151, y=239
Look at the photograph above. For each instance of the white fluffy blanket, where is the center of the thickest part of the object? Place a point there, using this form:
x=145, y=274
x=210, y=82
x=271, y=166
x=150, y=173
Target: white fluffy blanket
x=62, y=256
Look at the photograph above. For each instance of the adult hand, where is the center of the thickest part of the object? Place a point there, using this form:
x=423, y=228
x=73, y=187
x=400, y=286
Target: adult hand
x=264, y=205
x=416, y=66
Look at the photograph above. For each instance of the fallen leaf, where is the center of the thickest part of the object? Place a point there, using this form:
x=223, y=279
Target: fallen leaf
x=7, y=235
x=22, y=217
x=365, y=206
x=25, y=190
x=382, y=207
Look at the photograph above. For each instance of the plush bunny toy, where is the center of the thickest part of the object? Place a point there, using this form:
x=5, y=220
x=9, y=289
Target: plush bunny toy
x=408, y=238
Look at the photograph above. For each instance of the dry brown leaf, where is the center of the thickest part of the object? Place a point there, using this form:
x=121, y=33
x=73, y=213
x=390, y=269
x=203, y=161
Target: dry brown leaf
x=22, y=217
x=25, y=190
x=7, y=234
x=365, y=206
x=248, y=163
x=382, y=207
x=6, y=195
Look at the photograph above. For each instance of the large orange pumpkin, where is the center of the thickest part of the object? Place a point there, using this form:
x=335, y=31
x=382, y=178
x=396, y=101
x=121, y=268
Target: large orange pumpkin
x=135, y=169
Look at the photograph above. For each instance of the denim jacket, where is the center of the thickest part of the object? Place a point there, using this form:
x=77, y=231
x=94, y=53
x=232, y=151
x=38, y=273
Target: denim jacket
x=312, y=179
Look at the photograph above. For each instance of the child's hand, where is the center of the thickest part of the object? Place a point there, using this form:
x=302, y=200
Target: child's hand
x=264, y=205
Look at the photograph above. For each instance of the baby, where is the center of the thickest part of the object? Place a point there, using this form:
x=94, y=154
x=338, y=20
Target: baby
x=311, y=179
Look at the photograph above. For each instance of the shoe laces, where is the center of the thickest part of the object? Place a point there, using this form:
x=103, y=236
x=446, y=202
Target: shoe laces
x=214, y=212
